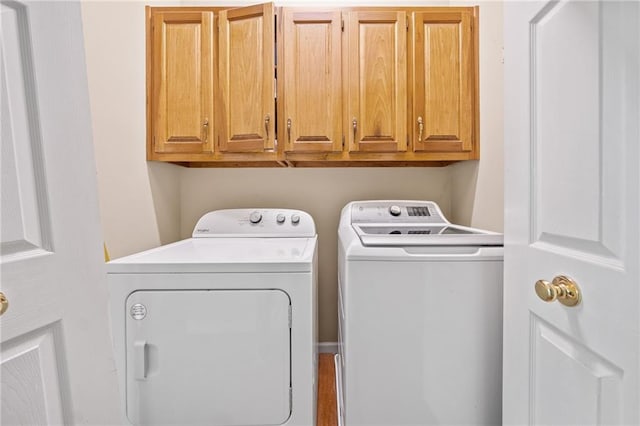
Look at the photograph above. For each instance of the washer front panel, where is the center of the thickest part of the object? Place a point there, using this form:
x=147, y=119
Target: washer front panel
x=420, y=317
x=216, y=357
x=428, y=334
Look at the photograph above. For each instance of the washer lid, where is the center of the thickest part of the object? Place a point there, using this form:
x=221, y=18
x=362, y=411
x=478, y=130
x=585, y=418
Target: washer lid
x=222, y=255
x=403, y=223
x=445, y=234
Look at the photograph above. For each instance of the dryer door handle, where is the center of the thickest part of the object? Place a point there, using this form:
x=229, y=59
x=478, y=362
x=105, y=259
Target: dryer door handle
x=140, y=360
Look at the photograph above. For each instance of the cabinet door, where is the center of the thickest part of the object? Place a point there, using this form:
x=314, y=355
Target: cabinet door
x=181, y=86
x=377, y=79
x=247, y=76
x=444, y=110
x=312, y=81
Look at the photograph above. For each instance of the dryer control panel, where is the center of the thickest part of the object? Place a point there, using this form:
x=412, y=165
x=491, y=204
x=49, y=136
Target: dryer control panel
x=267, y=223
x=396, y=212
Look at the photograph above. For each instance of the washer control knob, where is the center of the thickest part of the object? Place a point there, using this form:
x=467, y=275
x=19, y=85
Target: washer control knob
x=255, y=217
x=280, y=218
x=295, y=219
x=395, y=210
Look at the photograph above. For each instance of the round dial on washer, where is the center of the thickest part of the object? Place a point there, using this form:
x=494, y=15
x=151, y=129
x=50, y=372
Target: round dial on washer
x=395, y=210
x=255, y=217
x=280, y=218
x=295, y=219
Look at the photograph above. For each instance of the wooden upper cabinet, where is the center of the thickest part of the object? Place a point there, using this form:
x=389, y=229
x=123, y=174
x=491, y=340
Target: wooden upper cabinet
x=377, y=80
x=444, y=104
x=357, y=85
x=312, y=79
x=247, y=74
x=180, y=82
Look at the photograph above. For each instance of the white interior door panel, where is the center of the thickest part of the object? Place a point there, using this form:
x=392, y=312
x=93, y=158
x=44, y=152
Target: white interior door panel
x=56, y=356
x=572, y=95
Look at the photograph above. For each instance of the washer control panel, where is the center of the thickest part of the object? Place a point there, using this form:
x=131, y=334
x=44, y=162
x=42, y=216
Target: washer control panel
x=255, y=223
x=393, y=211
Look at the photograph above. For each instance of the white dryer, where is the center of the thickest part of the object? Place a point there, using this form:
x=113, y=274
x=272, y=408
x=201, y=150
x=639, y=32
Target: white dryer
x=420, y=317
x=221, y=328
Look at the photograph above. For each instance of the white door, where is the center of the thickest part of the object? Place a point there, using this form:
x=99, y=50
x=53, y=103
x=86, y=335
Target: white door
x=572, y=94
x=56, y=356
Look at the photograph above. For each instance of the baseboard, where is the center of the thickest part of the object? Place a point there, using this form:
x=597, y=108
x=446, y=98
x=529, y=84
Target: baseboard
x=328, y=347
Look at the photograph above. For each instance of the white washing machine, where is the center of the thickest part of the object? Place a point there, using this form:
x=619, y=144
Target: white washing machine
x=221, y=328
x=420, y=318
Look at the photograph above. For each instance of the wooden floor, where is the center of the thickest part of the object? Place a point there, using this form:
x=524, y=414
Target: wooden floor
x=327, y=398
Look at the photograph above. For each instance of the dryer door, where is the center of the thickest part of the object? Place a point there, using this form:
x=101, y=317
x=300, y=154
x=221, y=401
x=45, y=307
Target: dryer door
x=214, y=357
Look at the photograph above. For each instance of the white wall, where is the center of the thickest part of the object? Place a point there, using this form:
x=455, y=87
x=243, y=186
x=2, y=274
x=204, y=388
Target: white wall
x=147, y=204
x=477, y=186
x=139, y=201
x=322, y=193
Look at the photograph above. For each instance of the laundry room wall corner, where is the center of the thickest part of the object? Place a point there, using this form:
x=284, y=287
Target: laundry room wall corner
x=477, y=186
x=139, y=201
x=145, y=204
x=164, y=180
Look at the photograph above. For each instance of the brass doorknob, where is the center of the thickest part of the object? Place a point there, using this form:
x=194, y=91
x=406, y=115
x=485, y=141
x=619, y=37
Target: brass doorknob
x=4, y=303
x=562, y=288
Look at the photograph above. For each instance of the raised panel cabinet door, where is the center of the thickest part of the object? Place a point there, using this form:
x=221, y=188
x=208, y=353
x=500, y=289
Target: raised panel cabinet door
x=246, y=67
x=313, y=81
x=377, y=81
x=181, y=82
x=444, y=111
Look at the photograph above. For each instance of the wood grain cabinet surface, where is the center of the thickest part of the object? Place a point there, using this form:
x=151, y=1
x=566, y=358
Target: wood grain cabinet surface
x=443, y=81
x=272, y=86
x=311, y=81
x=246, y=66
x=180, y=81
x=210, y=86
x=376, y=80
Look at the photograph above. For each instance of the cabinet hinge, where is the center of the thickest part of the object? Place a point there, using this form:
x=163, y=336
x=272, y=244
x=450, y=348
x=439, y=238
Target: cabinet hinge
x=343, y=142
x=290, y=317
x=407, y=25
x=342, y=26
x=290, y=397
